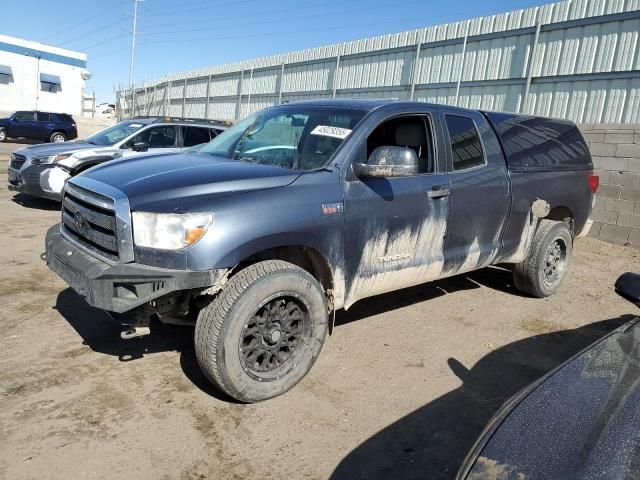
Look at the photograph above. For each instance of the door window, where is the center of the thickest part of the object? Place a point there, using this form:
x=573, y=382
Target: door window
x=158, y=137
x=43, y=117
x=24, y=116
x=407, y=131
x=195, y=136
x=466, y=146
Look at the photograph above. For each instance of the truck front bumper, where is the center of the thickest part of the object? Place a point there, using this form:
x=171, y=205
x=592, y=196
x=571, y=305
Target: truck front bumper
x=120, y=287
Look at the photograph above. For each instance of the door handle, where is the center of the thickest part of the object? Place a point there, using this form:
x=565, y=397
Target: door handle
x=438, y=192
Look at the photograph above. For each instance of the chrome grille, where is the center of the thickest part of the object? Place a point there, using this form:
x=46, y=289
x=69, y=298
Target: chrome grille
x=17, y=161
x=91, y=225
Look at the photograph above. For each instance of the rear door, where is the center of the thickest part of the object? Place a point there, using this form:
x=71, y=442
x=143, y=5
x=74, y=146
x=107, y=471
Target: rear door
x=480, y=192
x=43, y=125
x=22, y=124
x=395, y=227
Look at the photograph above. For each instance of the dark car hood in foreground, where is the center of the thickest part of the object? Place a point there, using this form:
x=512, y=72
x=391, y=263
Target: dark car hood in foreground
x=581, y=422
x=55, y=148
x=175, y=181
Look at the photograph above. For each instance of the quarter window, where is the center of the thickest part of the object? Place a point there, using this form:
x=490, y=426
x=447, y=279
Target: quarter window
x=466, y=147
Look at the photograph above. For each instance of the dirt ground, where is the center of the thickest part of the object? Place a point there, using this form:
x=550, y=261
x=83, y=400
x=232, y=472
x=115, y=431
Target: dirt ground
x=401, y=389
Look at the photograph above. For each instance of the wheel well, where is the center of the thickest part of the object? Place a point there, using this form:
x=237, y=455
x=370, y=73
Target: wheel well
x=562, y=214
x=306, y=258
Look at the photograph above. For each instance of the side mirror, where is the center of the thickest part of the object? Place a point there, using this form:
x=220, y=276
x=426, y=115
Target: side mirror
x=389, y=162
x=628, y=287
x=140, y=147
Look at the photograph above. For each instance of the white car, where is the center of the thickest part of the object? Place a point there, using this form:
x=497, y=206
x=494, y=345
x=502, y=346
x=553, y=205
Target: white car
x=42, y=170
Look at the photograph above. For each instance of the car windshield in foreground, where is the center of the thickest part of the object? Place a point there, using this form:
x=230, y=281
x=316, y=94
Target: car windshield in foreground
x=112, y=135
x=297, y=137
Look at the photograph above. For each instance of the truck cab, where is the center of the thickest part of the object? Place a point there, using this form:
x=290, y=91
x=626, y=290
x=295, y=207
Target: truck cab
x=305, y=208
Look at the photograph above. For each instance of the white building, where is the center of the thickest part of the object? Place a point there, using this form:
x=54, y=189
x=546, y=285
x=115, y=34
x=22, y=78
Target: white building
x=35, y=76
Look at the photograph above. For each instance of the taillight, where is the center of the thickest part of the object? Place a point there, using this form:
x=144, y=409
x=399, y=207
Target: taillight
x=594, y=182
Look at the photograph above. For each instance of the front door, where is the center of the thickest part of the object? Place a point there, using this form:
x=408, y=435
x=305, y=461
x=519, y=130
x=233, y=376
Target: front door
x=22, y=124
x=395, y=227
x=160, y=139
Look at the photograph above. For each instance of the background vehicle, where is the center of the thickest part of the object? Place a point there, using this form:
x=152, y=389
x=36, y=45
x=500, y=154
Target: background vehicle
x=51, y=127
x=305, y=208
x=41, y=170
x=580, y=421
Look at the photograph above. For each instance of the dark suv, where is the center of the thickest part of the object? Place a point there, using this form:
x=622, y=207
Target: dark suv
x=52, y=127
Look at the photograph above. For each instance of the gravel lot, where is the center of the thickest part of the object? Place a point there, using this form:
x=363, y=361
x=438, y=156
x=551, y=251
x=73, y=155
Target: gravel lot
x=401, y=390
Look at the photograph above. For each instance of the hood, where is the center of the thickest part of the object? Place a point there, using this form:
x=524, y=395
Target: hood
x=581, y=422
x=54, y=148
x=176, y=182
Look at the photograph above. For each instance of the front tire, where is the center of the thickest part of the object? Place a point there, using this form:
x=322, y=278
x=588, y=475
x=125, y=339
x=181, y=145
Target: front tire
x=263, y=332
x=546, y=264
x=3, y=135
x=58, y=137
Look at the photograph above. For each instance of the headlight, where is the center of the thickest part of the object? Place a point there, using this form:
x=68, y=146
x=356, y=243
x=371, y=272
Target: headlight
x=169, y=231
x=49, y=159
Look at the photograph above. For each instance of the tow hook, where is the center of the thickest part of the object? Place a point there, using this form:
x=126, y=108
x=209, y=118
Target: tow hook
x=133, y=332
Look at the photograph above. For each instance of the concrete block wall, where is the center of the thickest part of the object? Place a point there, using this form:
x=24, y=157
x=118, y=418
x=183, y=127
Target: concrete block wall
x=615, y=149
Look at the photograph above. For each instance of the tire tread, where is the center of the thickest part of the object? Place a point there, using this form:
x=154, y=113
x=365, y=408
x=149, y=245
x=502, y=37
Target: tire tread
x=525, y=273
x=211, y=318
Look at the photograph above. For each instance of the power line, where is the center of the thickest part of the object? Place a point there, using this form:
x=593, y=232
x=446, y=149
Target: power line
x=258, y=14
x=105, y=27
x=268, y=34
x=122, y=35
x=285, y=19
x=184, y=9
x=113, y=52
x=85, y=20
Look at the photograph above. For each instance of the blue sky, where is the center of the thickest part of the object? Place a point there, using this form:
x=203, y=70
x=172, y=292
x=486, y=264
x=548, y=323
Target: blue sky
x=186, y=34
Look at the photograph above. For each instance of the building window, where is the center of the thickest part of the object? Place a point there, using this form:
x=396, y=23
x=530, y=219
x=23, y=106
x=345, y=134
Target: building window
x=6, y=75
x=50, y=83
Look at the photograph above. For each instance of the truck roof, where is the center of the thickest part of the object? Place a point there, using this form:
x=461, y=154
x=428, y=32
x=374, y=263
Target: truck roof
x=370, y=103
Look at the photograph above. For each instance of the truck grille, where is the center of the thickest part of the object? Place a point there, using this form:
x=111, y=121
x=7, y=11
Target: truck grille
x=17, y=161
x=91, y=225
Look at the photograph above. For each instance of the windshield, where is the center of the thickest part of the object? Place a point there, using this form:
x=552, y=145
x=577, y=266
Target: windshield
x=112, y=135
x=298, y=137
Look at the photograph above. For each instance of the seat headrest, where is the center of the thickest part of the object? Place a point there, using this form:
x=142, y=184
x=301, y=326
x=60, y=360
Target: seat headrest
x=410, y=135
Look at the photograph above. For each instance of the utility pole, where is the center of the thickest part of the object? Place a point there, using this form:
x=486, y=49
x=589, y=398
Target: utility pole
x=132, y=68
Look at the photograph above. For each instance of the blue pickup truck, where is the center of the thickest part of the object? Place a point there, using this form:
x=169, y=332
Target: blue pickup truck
x=305, y=208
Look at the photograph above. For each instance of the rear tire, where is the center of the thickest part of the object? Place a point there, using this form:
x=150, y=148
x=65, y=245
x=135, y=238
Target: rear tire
x=542, y=271
x=263, y=332
x=3, y=135
x=58, y=137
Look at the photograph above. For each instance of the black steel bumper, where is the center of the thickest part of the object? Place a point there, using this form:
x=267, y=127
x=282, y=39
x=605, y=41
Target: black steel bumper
x=120, y=287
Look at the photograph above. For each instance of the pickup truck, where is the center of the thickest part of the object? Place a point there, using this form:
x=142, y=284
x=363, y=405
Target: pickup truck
x=305, y=208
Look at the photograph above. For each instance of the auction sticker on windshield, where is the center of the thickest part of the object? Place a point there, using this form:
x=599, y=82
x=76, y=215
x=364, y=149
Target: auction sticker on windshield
x=328, y=131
